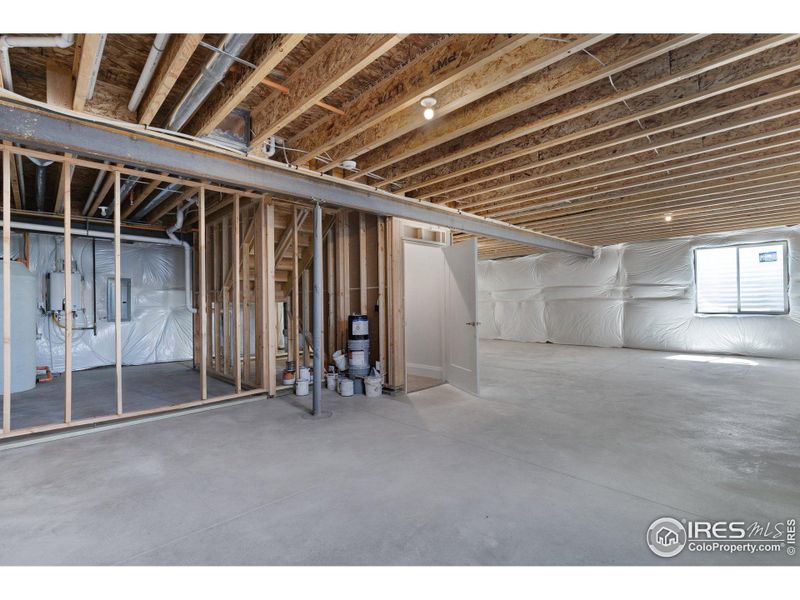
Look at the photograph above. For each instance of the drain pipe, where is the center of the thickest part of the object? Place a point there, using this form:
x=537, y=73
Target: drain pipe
x=126, y=189
x=106, y=235
x=209, y=77
x=157, y=199
x=159, y=45
x=187, y=253
x=65, y=40
x=41, y=180
x=95, y=189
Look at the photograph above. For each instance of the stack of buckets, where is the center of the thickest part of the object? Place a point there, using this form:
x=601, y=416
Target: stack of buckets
x=358, y=350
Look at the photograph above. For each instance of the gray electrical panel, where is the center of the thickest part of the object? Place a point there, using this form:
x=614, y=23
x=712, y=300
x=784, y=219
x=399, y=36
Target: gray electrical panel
x=125, y=300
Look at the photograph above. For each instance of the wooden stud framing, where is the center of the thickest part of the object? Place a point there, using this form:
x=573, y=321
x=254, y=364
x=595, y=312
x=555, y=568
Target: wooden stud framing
x=67, y=297
x=330, y=267
x=295, y=326
x=6, y=291
x=246, y=317
x=203, y=302
x=237, y=300
x=117, y=287
x=305, y=280
x=268, y=283
x=382, y=293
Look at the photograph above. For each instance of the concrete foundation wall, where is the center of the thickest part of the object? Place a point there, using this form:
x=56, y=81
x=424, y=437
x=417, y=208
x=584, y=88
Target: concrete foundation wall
x=639, y=295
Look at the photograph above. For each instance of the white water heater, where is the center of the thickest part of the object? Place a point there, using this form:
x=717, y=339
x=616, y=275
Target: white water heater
x=23, y=328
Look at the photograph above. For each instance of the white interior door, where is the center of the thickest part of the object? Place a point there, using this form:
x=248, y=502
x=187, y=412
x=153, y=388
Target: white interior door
x=461, y=315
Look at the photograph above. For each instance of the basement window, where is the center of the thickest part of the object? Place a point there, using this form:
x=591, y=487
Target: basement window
x=742, y=279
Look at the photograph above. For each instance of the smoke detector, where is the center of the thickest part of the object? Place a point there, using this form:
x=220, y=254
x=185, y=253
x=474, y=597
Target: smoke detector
x=350, y=165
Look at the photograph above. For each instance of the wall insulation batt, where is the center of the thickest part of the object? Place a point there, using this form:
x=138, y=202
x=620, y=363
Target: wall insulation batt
x=638, y=295
x=160, y=329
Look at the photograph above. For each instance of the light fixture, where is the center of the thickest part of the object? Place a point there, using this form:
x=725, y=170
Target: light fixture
x=668, y=217
x=428, y=104
x=349, y=165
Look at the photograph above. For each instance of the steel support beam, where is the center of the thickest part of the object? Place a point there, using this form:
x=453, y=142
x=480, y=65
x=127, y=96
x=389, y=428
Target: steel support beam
x=33, y=124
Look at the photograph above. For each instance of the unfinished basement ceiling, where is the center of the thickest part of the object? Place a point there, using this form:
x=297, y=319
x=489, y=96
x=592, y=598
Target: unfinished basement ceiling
x=598, y=139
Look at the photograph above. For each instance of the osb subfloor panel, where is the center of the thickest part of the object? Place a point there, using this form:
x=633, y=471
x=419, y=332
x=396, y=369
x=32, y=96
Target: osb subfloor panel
x=567, y=458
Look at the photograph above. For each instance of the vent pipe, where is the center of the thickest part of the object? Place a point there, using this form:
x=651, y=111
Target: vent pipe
x=159, y=45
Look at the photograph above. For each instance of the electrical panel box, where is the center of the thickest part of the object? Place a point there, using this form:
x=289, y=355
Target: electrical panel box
x=56, y=291
x=124, y=300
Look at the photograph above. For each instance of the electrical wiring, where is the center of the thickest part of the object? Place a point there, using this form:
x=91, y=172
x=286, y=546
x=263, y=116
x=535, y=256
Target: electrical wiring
x=624, y=102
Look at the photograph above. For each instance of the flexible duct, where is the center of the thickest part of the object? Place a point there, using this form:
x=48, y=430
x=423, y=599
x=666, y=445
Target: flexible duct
x=210, y=76
x=159, y=44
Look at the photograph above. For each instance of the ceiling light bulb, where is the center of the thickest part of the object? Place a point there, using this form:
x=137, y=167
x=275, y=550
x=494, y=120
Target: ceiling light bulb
x=428, y=113
x=668, y=218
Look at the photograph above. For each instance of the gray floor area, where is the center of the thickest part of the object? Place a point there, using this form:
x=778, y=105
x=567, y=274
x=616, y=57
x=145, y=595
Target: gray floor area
x=566, y=459
x=415, y=383
x=94, y=393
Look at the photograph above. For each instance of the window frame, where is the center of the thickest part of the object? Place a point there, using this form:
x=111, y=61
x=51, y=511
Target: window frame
x=739, y=312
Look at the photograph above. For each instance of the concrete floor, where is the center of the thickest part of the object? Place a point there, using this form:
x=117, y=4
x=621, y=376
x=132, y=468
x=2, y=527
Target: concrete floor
x=568, y=457
x=94, y=393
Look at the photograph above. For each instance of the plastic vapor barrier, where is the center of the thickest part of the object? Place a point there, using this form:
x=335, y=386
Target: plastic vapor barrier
x=160, y=329
x=638, y=295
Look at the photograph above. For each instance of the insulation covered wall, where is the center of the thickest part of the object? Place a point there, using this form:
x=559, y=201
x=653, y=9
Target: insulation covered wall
x=160, y=329
x=638, y=295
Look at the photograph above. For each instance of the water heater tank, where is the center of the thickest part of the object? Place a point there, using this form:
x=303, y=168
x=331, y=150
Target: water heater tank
x=23, y=328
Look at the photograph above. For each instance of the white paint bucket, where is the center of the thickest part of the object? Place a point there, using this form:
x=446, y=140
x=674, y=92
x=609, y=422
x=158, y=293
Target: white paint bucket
x=358, y=359
x=373, y=386
x=301, y=388
x=340, y=360
x=330, y=381
x=305, y=374
x=346, y=387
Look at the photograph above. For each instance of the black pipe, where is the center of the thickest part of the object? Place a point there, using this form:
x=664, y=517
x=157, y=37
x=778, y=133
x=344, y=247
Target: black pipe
x=41, y=182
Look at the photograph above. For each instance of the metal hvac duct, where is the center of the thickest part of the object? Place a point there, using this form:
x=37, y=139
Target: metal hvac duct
x=210, y=76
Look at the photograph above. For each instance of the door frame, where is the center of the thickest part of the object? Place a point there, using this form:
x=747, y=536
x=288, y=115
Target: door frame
x=443, y=348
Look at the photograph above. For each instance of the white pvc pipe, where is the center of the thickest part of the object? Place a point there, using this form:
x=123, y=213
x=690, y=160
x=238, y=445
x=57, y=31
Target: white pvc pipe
x=106, y=235
x=65, y=40
x=172, y=240
x=187, y=254
x=159, y=45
